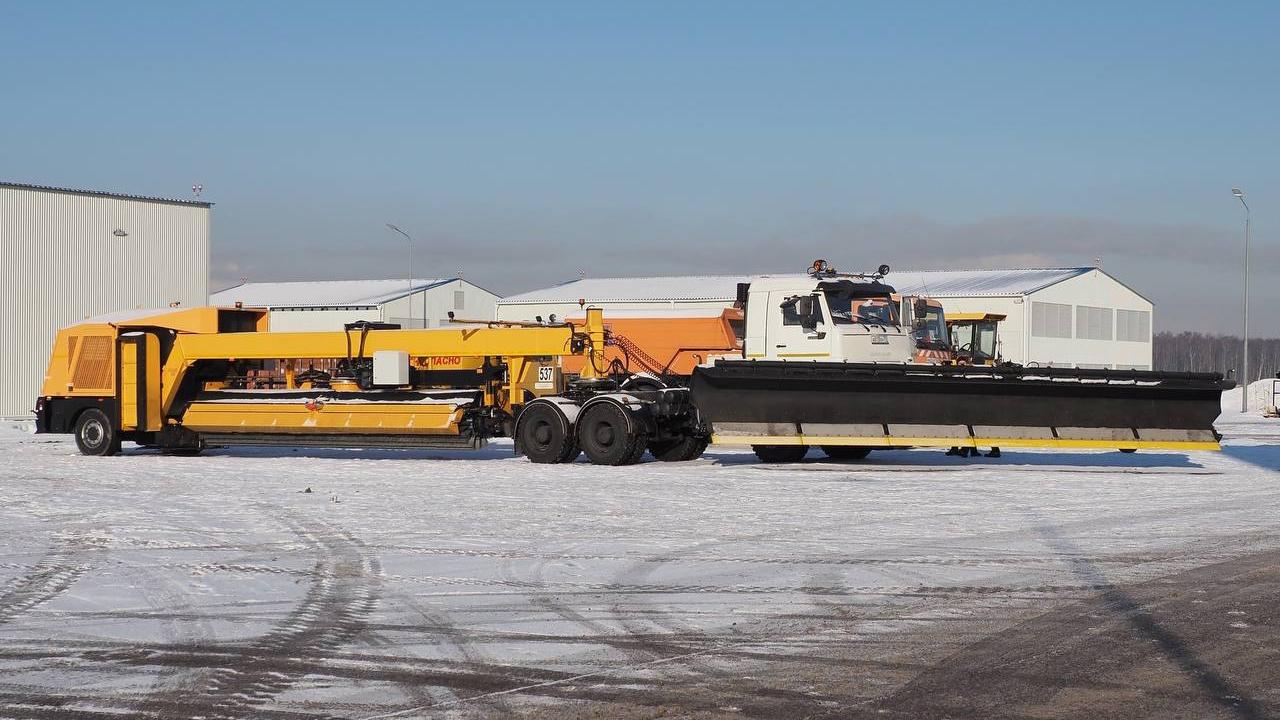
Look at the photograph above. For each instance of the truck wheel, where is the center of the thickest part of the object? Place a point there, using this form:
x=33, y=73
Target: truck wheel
x=95, y=434
x=780, y=453
x=846, y=452
x=609, y=436
x=544, y=435
x=681, y=449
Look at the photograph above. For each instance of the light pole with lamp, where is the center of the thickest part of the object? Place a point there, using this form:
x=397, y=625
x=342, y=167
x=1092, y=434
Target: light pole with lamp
x=410, y=298
x=1244, y=361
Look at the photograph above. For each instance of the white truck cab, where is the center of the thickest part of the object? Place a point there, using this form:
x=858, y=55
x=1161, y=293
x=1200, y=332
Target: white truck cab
x=824, y=320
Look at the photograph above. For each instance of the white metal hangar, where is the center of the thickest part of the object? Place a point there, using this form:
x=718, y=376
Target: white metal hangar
x=328, y=304
x=70, y=254
x=1065, y=317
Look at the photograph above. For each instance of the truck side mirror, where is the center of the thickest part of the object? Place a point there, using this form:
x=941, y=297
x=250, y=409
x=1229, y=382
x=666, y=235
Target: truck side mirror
x=808, y=310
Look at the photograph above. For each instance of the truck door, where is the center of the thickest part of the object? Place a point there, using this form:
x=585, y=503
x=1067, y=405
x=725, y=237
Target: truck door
x=788, y=337
x=139, y=382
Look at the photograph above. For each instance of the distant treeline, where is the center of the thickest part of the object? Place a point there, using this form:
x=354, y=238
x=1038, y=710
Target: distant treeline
x=1198, y=352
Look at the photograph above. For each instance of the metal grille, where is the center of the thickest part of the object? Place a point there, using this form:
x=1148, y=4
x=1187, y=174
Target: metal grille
x=1050, y=320
x=93, y=369
x=1093, y=323
x=71, y=350
x=1133, y=325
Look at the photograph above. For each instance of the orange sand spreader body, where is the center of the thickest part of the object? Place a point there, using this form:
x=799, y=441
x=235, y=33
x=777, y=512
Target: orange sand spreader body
x=665, y=345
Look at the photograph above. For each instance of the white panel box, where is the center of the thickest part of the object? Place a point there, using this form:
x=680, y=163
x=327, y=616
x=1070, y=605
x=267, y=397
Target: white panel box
x=390, y=368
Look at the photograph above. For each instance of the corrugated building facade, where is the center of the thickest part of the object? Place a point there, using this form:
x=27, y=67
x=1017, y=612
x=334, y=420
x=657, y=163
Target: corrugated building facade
x=70, y=254
x=1065, y=317
x=300, y=306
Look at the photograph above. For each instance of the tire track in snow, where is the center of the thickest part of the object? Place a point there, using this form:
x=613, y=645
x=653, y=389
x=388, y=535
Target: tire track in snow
x=669, y=634
x=565, y=587
x=344, y=589
x=441, y=626
x=914, y=559
x=49, y=578
x=544, y=596
x=172, y=600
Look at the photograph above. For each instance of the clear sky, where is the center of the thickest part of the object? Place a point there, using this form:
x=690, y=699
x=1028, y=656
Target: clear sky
x=525, y=143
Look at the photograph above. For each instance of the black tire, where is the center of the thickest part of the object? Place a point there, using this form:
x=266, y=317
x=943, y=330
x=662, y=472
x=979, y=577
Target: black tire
x=846, y=452
x=544, y=435
x=780, y=453
x=681, y=449
x=1128, y=450
x=95, y=434
x=610, y=436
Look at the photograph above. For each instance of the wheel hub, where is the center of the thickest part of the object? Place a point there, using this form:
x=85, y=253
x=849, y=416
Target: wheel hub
x=604, y=434
x=93, y=433
x=542, y=433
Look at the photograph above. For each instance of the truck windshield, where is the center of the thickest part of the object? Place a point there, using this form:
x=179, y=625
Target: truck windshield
x=849, y=310
x=931, y=329
x=976, y=339
x=985, y=347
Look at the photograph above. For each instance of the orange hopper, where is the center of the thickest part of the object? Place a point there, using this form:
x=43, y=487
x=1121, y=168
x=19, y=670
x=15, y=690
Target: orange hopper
x=665, y=344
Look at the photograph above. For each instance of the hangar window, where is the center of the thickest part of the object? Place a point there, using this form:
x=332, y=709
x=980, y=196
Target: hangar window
x=459, y=300
x=1133, y=325
x=1051, y=320
x=1093, y=323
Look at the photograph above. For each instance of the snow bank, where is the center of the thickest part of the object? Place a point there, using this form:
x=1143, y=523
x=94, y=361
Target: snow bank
x=1262, y=395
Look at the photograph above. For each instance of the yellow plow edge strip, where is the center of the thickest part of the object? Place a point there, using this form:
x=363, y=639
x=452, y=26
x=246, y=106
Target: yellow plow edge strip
x=882, y=441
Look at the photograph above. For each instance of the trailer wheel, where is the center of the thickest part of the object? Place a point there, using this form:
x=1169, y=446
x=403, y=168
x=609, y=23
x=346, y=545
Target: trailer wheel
x=609, y=436
x=846, y=452
x=544, y=434
x=681, y=449
x=95, y=435
x=780, y=453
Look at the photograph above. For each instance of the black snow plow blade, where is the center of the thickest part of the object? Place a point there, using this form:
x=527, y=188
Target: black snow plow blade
x=794, y=403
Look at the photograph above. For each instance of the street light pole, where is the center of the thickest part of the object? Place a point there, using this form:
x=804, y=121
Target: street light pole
x=409, y=299
x=1244, y=361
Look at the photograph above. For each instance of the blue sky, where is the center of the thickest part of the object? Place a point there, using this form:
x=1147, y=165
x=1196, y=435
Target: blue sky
x=524, y=143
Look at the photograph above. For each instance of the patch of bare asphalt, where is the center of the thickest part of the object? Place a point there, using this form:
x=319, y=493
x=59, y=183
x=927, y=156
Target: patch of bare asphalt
x=1204, y=643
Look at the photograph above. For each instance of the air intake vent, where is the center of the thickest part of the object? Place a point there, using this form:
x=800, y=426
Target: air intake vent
x=93, y=367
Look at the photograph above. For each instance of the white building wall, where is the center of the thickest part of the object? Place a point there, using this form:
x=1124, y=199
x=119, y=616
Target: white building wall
x=60, y=263
x=437, y=302
x=528, y=312
x=320, y=319
x=434, y=303
x=1098, y=290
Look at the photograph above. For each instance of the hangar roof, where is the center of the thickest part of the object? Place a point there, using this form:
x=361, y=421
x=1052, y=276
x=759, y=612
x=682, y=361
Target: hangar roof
x=323, y=293
x=103, y=193
x=720, y=288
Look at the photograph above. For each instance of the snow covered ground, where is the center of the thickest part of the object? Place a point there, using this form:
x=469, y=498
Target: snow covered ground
x=363, y=584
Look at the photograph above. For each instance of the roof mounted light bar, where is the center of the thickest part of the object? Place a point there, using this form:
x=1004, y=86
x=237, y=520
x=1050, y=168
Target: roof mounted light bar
x=823, y=269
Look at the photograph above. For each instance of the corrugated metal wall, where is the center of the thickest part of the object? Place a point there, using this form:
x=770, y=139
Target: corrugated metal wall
x=60, y=262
